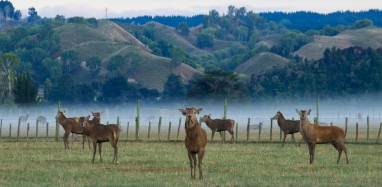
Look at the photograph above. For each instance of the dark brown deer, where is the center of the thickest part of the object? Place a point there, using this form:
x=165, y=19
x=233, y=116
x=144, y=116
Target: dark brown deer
x=315, y=134
x=219, y=125
x=100, y=133
x=288, y=126
x=196, y=139
x=70, y=125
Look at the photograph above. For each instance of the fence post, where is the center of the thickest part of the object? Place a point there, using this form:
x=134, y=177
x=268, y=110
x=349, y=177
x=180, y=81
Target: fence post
x=137, y=120
x=18, y=130
x=346, y=125
x=260, y=126
x=223, y=136
x=331, y=123
x=180, y=122
x=10, y=131
x=270, y=134
x=237, y=130
x=169, y=131
x=47, y=131
x=27, y=132
x=36, y=130
x=118, y=121
x=1, y=126
x=367, y=124
x=148, y=135
x=159, y=124
x=127, y=131
x=249, y=121
x=379, y=133
x=356, y=132
x=57, y=124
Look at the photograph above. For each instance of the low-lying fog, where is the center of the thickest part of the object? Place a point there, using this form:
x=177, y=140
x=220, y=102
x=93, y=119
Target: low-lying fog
x=356, y=109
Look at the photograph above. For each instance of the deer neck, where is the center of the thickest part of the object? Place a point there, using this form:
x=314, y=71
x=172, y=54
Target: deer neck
x=306, y=128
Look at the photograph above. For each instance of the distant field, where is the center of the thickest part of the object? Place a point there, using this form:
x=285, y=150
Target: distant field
x=166, y=164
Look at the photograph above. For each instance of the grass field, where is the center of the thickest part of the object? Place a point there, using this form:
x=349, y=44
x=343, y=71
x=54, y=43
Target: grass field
x=166, y=164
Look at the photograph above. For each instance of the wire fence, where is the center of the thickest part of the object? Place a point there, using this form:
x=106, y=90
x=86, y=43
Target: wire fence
x=153, y=128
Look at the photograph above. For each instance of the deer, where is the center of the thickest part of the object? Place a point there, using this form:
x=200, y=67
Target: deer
x=100, y=133
x=70, y=125
x=196, y=140
x=23, y=119
x=315, y=134
x=287, y=126
x=219, y=125
x=41, y=120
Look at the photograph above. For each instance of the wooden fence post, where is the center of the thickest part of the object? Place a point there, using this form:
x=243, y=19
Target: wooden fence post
x=270, y=134
x=249, y=121
x=180, y=122
x=237, y=131
x=379, y=133
x=331, y=123
x=356, y=132
x=169, y=131
x=10, y=131
x=47, y=131
x=57, y=124
x=148, y=135
x=36, y=130
x=367, y=126
x=159, y=124
x=18, y=130
x=137, y=120
x=260, y=126
x=1, y=126
x=27, y=132
x=127, y=131
x=346, y=125
x=118, y=121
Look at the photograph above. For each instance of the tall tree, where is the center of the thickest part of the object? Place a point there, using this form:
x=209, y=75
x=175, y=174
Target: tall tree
x=174, y=89
x=8, y=64
x=25, y=90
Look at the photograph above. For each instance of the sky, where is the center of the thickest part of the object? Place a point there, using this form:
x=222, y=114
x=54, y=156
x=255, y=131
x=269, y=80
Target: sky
x=133, y=8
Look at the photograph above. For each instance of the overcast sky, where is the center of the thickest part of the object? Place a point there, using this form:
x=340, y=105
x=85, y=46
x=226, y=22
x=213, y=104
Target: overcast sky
x=134, y=8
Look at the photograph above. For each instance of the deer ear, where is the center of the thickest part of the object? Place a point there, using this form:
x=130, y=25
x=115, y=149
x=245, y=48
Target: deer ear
x=88, y=117
x=298, y=112
x=198, y=110
x=182, y=111
x=309, y=111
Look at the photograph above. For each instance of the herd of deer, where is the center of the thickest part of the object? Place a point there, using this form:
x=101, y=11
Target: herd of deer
x=196, y=137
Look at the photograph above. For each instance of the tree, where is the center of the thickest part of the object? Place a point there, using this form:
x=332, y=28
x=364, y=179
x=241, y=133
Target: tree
x=115, y=63
x=71, y=61
x=361, y=24
x=115, y=90
x=33, y=16
x=204, y=40
x=174, y=89
x=184, y=29
x=8, y=64
x=94, y=64
x=25, y=90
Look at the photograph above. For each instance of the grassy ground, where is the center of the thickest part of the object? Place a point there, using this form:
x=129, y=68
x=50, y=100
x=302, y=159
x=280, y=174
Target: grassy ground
x=166, y=164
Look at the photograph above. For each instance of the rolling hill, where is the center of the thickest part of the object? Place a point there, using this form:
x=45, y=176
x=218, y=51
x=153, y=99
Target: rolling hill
x=108, y=40
x=364, y=37
x=261, y=63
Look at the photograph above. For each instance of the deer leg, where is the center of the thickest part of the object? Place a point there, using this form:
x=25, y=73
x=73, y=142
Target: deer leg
x=200, y=160
x=66, y=143
x=94, y=149
x=313, y=146
x=346, y=154
x=83, y=141
x=213, y=133
x=100, y=151
x=115, y=147
x=295, y=143
x=191, y=164
x=284, y=138
x=232, y=135
x=194, y=165
x=300, y=141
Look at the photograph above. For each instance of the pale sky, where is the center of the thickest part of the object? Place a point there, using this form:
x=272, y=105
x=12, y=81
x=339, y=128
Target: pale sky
x=134, y=8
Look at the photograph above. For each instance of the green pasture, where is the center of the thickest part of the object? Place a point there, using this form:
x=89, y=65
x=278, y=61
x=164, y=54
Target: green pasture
x=153, y=163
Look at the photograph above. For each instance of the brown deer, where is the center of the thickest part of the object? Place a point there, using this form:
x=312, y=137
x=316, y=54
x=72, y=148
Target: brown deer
x=70, y=125
x=315, y=134
x=196, y=139
x=219, y=125
x=288, y=126
x=100, y=133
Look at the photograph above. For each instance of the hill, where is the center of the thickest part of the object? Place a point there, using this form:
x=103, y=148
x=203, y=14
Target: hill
x=364, y=37
x=109, y=40
x=261, y=63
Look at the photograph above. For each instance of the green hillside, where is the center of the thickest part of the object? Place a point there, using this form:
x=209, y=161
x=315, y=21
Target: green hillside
x=261, y=63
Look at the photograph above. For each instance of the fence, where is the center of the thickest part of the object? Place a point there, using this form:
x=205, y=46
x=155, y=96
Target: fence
x=171, y=129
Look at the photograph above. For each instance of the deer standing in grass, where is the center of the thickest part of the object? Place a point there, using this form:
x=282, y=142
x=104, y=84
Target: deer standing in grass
x=196, y=139
x=70, y=125
x=100, y=133
x=315, y=134
x=288, y=126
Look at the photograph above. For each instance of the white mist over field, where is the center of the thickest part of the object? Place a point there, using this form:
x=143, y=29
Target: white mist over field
x=356, y=109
